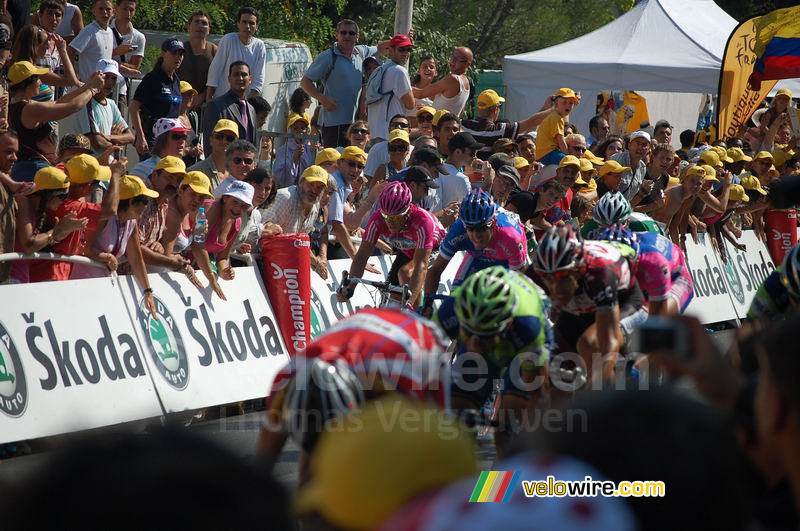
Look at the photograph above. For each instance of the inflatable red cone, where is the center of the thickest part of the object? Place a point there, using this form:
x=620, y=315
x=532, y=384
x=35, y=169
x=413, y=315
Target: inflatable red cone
x=781, y=232
x=287, y=277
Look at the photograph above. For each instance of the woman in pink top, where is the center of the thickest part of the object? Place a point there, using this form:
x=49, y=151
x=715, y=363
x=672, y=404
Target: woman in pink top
x=224, y=221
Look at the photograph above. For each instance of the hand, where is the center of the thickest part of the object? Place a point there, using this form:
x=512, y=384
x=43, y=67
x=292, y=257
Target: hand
x=227, y=273
x=150, y=304
x=376, y=190
x=23, y=188
x=96, y=81
x=197, y=151
x=123, y=49
x=190, y=274
x=647, y=187
x=105, y=156
x=69, y=223
x=727, y=177
x=329, y=104
x=155, y=247
x=372, y=269
x=179, y=263
x=58, y=40
x=218, y=290
x=701, y=227
x=245, y=248
x=140, y=144
x=298, y=153
x=118, y=129
x=271, y=229
x=109, y=260
x=119, y=167
x=320, y=265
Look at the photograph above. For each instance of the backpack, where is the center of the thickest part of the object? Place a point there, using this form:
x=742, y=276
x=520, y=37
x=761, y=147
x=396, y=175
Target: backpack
x=374, y=86
x=324, y=79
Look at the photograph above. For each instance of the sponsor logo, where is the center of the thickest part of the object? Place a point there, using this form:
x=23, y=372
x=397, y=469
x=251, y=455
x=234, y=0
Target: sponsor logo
x=735, y=283
x=166, y=345
x=13, y=386
x=299, y=333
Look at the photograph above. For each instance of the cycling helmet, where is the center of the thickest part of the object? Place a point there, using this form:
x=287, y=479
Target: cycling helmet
x=320, y=391
x=611, y=209
x=485, y=302
x=790, y=275
x=560, y=248
x=478, y=208
x=617, y=233
x=395, y=198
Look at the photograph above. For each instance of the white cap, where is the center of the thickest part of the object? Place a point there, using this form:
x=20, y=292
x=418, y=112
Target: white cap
x=242, y=191
x=640, y=134
x=109, y=66
x=165, y=125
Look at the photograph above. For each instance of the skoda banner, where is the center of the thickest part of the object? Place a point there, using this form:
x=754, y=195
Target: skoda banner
x=204, y=351
x=69, y=366
x=746, y=270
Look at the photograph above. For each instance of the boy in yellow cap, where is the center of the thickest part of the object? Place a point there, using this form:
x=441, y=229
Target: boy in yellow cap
x=214, y=165
x=327, y=159
x=296, y=154
x=550, y=144
x=351, y=165
x=610, y=176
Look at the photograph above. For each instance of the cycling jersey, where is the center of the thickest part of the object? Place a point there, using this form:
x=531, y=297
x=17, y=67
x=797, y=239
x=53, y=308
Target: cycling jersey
x=508, y=247
x=637, y=222
x=772, y=299
x=421, y=231
x=607, y=275
x=391, y=349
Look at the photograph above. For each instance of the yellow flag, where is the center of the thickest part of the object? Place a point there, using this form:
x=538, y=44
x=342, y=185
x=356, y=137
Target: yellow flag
x=779, y=23
x=737, y=100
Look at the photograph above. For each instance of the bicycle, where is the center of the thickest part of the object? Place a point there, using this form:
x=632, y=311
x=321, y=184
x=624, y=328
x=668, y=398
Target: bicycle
x=384, y=290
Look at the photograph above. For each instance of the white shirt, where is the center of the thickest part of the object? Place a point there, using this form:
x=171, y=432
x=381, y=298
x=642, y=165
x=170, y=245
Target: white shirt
x=452, y=187
x=92, y=44
x=396, y=81
x=99, y=118
x=230, y=50
x=136, y=38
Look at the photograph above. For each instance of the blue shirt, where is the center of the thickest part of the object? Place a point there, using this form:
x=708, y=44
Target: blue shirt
x=338, y=199
x=343, y=83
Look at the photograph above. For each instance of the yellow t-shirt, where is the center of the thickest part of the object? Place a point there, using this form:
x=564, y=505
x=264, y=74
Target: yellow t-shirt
x=551, y=126
x=640, y=118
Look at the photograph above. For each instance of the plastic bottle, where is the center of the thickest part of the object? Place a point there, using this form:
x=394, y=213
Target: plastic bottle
x=200, y=227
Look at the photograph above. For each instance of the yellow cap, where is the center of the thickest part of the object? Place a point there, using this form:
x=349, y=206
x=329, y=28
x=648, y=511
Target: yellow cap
x=710, y=173
x=50, y=178
x=751, y=182
x=428, y=109
x=199, y=182
x=711, y=158
x=567, y=93
x=399, y=134
x=773, y=171
x=612, y=166
x=354, y=153
x=779, y=157
x=696, y=170
x=187, y=87
x=737, y=155
x=22, y=70
x=396, y=461
x=315, y=174
x=784, y=92
x=521, y=162
x=131, y=186
x=763, y=155
x=586, y=164
x=227, y=125
x=84, y=168
x=673, y=181
x=737, y=193
x=327, y=155
x=489, y=98
x=722, y=153
x=294, y=117
x=171, y=164
x=569, y=160
x=438, y=116
x=591, y=157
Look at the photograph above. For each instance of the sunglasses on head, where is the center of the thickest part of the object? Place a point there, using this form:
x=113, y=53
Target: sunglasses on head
x=348, y=32
x=243, y=160
x=354, y=164
x=400, y=147
x=478, y=228
x=360, y=131
x=227, y=138
x=422, y=118
x=178, y=136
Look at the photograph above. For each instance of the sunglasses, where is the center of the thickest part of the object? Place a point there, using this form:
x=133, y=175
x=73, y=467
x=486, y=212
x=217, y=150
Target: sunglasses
x=579, y=149
x=478, y=228
x=178, y=136
x=240, y=160
x=395, y=218
x=558, y=275
x=424, y=118
x=353, y=164
x=401, y=147
x=60, y=195
x=140, y=200
x=227, y=138
x=348, y=32
x=400, y=126
x=405, y=49
x=360, y=131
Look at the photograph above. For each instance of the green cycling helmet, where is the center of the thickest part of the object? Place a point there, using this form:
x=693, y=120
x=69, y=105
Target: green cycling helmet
x=485, y=302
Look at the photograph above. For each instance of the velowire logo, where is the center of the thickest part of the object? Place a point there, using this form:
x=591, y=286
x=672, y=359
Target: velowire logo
x=166, y=345
x=13, y=386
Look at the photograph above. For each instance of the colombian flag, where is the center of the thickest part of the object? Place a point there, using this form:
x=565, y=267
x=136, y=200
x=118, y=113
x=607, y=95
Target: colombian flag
x=777, y=46
x=495, y=486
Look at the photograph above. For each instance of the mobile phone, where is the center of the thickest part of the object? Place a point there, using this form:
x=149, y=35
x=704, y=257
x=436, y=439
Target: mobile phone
x=661, y=334
x=478, y=165
x=134, y=47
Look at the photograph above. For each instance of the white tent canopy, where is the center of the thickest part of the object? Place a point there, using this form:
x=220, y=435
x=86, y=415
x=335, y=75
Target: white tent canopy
x=669, y=47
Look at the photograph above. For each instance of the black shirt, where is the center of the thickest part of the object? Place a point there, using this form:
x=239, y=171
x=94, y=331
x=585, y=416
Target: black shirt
x=160, y=97
x=658, y=185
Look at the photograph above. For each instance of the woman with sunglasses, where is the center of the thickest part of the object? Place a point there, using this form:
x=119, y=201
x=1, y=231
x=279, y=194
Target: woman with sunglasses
x=399, y=147
x=37, y=229
x=158, y=96
x=412, y=231
x=358, y=134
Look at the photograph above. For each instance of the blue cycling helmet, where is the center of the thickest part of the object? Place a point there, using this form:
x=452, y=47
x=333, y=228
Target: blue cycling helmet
x=618, y=233
x=478, y=208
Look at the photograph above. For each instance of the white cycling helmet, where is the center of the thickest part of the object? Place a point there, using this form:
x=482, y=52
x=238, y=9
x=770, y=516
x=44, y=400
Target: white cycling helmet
x=611, y=209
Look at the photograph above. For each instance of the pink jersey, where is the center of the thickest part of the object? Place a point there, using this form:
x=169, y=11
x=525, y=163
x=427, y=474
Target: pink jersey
x=659, y=263
x=421, y=231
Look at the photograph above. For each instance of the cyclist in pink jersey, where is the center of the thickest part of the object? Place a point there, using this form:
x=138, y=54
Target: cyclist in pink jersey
x=414, y=232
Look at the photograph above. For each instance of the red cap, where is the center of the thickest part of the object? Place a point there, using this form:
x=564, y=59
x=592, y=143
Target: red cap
x=400, y=40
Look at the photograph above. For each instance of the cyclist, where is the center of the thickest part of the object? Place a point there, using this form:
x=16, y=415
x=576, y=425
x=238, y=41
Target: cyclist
x=659, y=266
x=489, y=238
x=386, y=349
x=500, y=316
x=614, y=209
x=414, y=232
x=592, y=286
x=780, y=292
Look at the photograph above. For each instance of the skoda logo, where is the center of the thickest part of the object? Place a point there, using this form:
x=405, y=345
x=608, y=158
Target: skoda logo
x=166, y=345
x=734, y=282
x=13, y=387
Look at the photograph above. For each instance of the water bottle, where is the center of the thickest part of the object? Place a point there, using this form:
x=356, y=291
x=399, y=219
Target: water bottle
x=200, y=227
